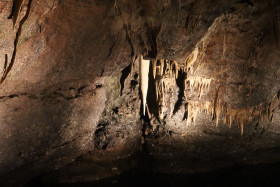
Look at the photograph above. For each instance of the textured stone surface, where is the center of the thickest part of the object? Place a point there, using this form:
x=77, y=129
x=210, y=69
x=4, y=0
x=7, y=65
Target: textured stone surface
x=70, y=101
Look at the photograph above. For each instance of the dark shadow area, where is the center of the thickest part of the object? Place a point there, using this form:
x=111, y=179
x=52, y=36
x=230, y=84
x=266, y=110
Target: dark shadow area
x=257, y=175
x=101, y=136
x=180, y=81
x=125, y=73
x=152, y=98
x=153, y=33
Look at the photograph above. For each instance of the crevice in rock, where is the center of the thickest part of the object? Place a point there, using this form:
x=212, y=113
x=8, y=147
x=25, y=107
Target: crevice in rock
x=186, y=113
x=16, y=9
x=125, y=73
x=126, y=27
x=187, y=21
x=151, y=95
x=97, y=86
x=69, y=94
x=180, y=81
x=154, y=31
x=13, y=10
x=11, y=96
x=113, y=45
x=101, y=136
x=16, y=42
x=249, y=2
x=63, y=144
x=6, y=62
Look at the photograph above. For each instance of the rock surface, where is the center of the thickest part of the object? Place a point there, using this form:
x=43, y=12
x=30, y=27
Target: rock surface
x=70, y=98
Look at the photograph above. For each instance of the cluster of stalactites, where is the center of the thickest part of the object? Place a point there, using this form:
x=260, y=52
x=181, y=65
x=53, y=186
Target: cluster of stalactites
x=165, y=73
x=241, y=116
x=198, y=82
x=165, y=67
x=190, y=60
x=217, y=109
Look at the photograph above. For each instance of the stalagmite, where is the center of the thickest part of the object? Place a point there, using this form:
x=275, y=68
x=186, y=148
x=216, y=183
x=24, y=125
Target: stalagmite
x=144, y=76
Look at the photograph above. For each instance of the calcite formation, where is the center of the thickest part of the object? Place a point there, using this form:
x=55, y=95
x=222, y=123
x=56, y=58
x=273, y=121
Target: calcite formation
x=144, y=76
x=75, y=75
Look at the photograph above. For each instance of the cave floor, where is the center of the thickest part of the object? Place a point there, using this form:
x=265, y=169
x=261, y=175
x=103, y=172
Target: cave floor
x=144, y=175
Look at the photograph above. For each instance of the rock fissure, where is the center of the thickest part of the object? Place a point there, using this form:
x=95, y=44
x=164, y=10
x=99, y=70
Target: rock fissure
x=71, y=93
x=17, y=9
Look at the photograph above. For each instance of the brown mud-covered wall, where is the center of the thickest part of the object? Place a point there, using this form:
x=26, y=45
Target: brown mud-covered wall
x=70, y=93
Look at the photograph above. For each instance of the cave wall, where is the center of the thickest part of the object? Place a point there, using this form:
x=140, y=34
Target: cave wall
x=67, y=88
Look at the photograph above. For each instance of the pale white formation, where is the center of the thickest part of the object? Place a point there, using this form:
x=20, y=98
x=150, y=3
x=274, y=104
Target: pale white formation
x=144, y=77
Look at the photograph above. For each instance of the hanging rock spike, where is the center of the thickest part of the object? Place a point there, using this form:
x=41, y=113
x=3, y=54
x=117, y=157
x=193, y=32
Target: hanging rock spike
x=144, y=77
x=161, y=67
x=154, y=68
x=191, y=58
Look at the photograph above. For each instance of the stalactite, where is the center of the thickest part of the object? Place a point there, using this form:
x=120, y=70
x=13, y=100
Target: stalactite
x=154, y=68
x=191, y=59
x=176, y=69
x=196, y=107
x=165, y=75
x=144, y=77
x=165, y=81
x=161, y=67
x=241, y=116
x=200, y=83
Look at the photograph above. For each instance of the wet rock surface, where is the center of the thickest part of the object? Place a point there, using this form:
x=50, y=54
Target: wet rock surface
x=71, y=107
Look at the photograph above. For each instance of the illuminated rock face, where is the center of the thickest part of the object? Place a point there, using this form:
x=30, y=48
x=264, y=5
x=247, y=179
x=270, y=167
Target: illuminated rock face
x=70, y=85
